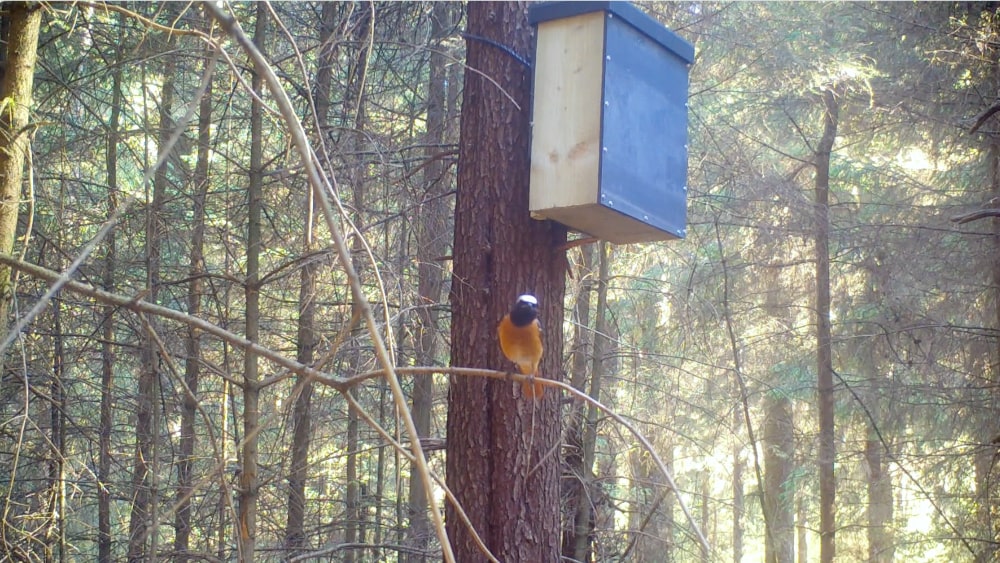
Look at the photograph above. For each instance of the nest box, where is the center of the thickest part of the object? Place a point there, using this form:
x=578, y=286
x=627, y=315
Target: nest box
x=609, y=122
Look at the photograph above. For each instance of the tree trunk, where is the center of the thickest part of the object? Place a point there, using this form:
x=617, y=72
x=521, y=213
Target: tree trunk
x=583, y=522
x=573, y=484
x=779, y=449
x=108, y=330
x=142, y=523
x=500, y=463
x=57, y=466
x=355, y=106
x=739, y=502
x=192, y=363
x=880, y=537
x=802, y=524
x=986, y=486
x=295, y=538
x=824, y=351
x=249, y=484
x=15, y=129
x=432, y=244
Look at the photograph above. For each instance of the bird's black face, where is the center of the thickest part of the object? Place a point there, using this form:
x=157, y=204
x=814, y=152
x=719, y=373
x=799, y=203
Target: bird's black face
x=524, y=311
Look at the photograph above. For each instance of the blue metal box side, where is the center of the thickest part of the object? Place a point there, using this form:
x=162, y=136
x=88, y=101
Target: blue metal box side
x=644, y=129
x=547, y=11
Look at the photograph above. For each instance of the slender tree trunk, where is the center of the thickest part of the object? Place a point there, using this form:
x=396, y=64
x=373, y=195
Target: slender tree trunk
x=352, y=495
x=354, y=532
x=295, y=538
x=574, y=490
x=192, y=363
x=985, y=461
x=432, y=244
x=802, y=523
x=108, y=331
x=500, y=464
x=986, y=458
x=741, y=416
x=15, y=128
x=583, y=527
x=779, y=444
x=739, y=503
x=880, y=538
x=142, y=524
x=57, y=408
x=824, y=351
x=225, y=493
x=249, y=478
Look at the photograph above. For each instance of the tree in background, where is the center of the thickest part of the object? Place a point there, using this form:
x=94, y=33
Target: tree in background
x=19, y=29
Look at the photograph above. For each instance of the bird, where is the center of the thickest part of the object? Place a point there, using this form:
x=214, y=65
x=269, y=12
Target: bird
x=520, y=336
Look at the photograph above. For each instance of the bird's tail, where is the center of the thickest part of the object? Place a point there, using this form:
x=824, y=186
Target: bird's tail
x=532, y=389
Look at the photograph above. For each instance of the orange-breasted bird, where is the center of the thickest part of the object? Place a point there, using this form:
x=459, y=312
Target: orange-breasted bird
x=521, y=341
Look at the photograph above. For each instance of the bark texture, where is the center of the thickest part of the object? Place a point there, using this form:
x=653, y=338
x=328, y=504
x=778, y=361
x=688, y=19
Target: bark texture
x=15, y=132
x=499, y=461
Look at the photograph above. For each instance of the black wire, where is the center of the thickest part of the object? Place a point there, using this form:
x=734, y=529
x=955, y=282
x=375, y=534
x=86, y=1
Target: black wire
x=502, y=47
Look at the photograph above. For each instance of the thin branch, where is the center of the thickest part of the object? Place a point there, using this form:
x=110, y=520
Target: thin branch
x=984, y=116
x=975, y=215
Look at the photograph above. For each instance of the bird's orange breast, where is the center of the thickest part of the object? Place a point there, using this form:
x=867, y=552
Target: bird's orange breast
x=521, y=345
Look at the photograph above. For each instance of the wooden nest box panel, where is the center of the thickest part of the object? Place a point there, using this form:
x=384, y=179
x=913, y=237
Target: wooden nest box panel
x=609, y=122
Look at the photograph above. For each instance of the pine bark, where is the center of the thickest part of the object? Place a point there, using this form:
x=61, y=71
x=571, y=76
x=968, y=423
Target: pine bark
x=499, y=461
x=15, y=128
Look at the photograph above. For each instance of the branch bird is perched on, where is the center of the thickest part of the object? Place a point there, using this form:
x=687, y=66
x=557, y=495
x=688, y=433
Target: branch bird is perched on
x=521, y=341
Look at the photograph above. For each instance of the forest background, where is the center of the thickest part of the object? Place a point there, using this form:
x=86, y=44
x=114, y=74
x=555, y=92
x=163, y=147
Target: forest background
x=815, y=365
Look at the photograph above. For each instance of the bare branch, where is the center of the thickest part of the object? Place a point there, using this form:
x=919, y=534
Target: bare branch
x=975, y=215
x=984, y=116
